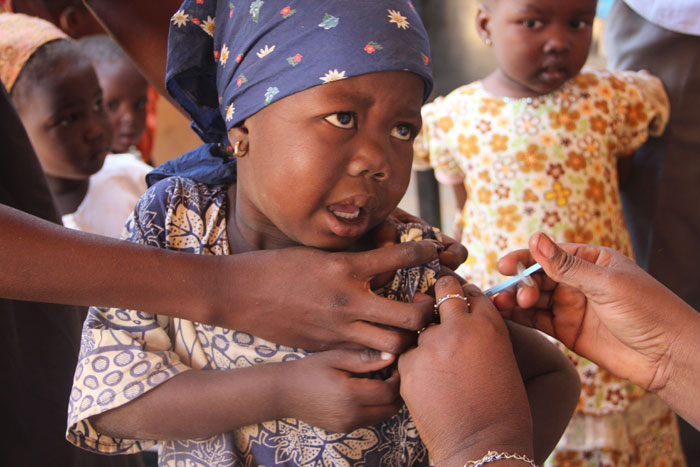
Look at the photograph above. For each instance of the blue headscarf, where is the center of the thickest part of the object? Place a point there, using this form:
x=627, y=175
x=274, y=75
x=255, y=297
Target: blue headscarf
x=229, y=59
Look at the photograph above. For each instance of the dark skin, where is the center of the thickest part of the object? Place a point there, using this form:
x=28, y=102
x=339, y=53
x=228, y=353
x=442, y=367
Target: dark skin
x=357, y=153
x=68, y=128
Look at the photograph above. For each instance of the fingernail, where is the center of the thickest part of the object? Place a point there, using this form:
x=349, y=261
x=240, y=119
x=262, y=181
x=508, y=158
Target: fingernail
x=546, y=247
x=386, y=356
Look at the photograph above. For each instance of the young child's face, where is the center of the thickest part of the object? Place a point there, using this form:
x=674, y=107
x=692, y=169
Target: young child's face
x=66, y=123
x=327, y=164
x=125, y=95
x=539, y=44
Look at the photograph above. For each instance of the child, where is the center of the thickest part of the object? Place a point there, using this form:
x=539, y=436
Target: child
x=67, y=125
x=122, y=179
x=534, y=146
x=63, y=115
x=320, y=107
x=124, y=89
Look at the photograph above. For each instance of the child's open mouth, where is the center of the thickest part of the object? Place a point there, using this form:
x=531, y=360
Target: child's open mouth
x=350, y=218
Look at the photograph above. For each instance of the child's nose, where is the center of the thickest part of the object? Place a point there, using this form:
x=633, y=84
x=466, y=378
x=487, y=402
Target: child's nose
x=557, y=42
x=370, y=160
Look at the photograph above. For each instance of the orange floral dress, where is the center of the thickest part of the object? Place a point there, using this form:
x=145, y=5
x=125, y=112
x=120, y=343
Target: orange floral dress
x=550, y=163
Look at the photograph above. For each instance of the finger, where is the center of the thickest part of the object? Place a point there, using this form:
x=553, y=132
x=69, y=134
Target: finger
x=454, y=253
x=408, y=316
x=358, y=361
x=406, y=218
x=393, y=257
x=449, y=308
x=566, y=268
x=381, y=338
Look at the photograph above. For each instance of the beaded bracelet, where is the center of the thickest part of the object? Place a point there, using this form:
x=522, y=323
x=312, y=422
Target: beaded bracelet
x=493, y=456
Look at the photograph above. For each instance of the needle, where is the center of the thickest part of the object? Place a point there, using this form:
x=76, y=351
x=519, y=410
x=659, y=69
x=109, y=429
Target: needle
x=523, y=274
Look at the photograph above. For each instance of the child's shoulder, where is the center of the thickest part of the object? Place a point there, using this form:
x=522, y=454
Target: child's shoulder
x=170, y=193
x=456, y=98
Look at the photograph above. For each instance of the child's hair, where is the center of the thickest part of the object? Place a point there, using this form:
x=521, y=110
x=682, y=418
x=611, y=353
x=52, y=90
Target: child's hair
x=101, y=48
x=40, y=65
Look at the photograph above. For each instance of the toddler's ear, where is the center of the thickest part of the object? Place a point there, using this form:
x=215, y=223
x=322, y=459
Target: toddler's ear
x=238, y=133
x=483, y=22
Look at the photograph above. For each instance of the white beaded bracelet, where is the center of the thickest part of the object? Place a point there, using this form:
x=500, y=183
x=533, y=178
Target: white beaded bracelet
x=493, y=456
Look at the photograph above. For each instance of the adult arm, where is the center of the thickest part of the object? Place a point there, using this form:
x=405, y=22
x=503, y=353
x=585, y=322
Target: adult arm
x=321, y=300
x=465, y=407
x=602, y=306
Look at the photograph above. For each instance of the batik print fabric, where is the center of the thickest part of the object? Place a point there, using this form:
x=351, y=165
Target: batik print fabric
x=125, y=353
x=549, y=163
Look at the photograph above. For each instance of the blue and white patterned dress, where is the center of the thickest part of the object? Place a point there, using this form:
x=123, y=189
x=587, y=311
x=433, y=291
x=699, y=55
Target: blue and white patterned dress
x=125, y=353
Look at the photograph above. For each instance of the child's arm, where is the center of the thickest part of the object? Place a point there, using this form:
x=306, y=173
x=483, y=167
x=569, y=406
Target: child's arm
x=552, y=386
x=319, y=390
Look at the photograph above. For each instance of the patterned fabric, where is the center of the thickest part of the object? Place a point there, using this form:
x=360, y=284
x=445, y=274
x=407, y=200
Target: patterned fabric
x=126, y=353
x=21, y=36
x=229, y=59
x=549, y=163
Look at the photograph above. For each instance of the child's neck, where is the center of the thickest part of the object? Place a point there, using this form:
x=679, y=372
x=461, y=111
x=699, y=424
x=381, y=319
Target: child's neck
x=500, y=85
x=68, y=194
x=254, y=240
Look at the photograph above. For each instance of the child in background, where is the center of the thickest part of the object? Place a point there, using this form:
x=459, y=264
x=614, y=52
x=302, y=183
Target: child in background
x=122, y=179
x=534, y=146
x=322, y=137
x=58, y=97
x=124, y=90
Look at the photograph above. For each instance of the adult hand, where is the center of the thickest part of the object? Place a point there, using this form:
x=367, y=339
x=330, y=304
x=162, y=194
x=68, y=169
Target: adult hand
x=324, y=391
x=602, y=306
x=319, y=300
x=385, y=234
x=462, y=384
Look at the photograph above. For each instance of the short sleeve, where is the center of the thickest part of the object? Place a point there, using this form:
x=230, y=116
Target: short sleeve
x=124, y=353
x=431, y=147
x=642, y=109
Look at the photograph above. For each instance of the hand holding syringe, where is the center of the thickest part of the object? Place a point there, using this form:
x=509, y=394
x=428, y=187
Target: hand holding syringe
x=523, y=275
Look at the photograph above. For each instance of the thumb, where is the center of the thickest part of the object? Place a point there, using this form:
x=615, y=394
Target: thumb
x=566, y=268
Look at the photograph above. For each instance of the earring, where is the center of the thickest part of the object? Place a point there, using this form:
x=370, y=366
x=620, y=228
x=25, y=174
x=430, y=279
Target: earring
x=237, y=150
x=488, y=42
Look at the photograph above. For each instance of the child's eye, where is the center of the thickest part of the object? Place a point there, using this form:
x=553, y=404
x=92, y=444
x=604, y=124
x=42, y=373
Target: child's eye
x=98, y=106
x=140, y=104
x=112, y=106
x=532, y=23
x=342, y=119
x=404, y=131
x=580, y=24
x=68, y=119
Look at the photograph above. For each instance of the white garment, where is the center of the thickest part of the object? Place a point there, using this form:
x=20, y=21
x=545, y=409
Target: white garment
x=681, y=16
x=111, y=196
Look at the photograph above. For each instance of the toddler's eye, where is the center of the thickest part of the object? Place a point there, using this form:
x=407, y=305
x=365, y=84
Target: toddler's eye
x=68, y=119
x=342, y=119
x=403, y=131
x=580, y=24
x=532, y=23
x=98, y=106
x=112, y=106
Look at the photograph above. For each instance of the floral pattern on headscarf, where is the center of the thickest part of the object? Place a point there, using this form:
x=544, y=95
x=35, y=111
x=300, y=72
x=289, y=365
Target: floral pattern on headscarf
x=229, y=59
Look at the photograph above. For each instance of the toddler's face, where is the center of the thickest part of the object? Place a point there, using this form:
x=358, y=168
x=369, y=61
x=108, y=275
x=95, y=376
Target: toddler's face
x=66, y=123
x=327, y=164
x=539, y=44
x=125, y=95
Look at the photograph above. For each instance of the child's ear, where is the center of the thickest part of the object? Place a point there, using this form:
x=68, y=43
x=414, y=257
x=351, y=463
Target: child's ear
x=239, y=134
x=68, y=20
x=483, y=24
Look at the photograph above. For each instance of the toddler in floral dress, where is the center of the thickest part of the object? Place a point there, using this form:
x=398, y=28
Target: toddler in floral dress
x=534, y=146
